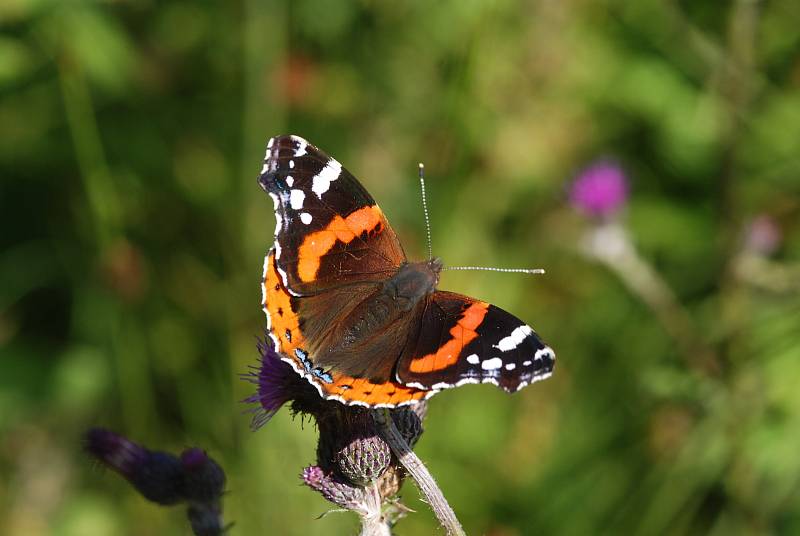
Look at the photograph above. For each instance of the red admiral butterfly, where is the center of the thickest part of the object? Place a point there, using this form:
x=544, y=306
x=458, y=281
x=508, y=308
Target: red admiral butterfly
x=352, y=316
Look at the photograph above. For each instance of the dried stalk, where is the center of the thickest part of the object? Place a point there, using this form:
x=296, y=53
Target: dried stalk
x=420, y=474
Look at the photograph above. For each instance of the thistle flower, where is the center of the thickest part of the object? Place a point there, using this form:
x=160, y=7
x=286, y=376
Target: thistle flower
x=203, y=478
x=158, y=476
x=164, y=478
x=349, y=444
x=277, y=384
x=600, y=190
x=355, y=466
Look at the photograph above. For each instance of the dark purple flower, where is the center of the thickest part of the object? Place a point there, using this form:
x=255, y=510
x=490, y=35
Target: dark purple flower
x=194, y=458
x=158, y=476
x=762, y=236
x=600, y=190
x=203, y=478
x=115, y=451
x=277, y=383
x=163, y=478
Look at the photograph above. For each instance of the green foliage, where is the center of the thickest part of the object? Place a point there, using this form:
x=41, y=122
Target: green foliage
x=134, y=232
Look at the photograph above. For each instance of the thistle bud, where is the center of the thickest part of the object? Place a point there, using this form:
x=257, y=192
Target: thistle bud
x=333, y=489
x=363, y=460
x=349, y=444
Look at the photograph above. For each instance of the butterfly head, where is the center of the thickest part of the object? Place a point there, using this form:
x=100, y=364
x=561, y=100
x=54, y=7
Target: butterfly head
x=435, y=266
x=414, y=280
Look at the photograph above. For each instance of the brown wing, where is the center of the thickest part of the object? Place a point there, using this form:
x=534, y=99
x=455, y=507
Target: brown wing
x=297, y=335
x=329, y=231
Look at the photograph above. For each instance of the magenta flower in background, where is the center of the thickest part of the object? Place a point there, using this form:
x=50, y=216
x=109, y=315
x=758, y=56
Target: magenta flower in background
x=600, y=190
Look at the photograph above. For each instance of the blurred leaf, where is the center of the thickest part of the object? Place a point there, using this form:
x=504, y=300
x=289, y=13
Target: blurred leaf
x=15, y=59
x=97, y=43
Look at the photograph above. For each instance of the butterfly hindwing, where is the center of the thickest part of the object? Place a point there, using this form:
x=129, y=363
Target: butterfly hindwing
x=293, y=336
x=464, y=340
x=329, y=230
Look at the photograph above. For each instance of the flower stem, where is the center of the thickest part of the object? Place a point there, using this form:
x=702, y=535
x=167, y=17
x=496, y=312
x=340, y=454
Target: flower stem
x=418, y=471
x=611, y=245
x=373, y=523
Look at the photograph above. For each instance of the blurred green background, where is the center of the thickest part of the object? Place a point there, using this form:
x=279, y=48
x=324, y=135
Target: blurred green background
x=133, y=233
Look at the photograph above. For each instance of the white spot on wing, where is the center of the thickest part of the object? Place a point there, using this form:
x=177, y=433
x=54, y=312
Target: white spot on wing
x=544, y=352
x=306, y=218
x=296, y=198
x=513, y=340
x=301, y=145
x=267, y=155
x=290, y=181
x=511, y=366
x=322, y=180
x=465, y=381
x=291, y=164
x=473, y=359
x=278, y=219
x=492, y=364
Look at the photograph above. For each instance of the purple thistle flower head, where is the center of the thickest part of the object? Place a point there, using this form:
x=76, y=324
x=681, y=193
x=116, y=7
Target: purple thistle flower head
x=194, y=458
x=278, y=384
x=158, y=476
x=115, y=451
x=204, y=479
x=600, y=190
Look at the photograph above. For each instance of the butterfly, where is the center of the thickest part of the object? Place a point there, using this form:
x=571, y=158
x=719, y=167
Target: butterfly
x=356, y=319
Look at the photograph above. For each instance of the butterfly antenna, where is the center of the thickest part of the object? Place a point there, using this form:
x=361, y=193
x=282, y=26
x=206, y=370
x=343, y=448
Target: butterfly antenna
x=493, y=269
x=425, y=208
x=430, y=247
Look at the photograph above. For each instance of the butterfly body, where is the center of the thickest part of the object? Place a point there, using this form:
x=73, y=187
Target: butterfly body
x=350, y=314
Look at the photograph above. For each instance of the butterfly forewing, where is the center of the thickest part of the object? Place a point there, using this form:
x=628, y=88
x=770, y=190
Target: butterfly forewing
x=329, y=231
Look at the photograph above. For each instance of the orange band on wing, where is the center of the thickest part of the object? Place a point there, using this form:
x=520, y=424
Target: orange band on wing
x=362, y=390
x=279, y=306
x=319, y=243
x=461, y=335
x=284, y=320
